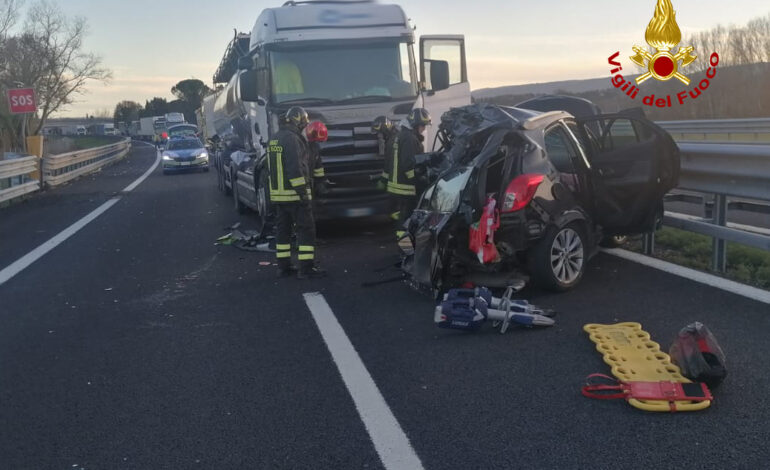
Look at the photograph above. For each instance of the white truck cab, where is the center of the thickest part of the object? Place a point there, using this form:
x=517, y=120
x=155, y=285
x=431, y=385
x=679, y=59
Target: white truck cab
x=345, y=62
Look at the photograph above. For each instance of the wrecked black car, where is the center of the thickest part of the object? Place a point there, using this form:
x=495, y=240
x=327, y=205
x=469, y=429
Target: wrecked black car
x=515, y=192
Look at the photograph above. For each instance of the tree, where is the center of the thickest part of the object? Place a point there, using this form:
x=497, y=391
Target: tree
x=48, y=55
x=192, y=91
x=127, y=111
x=154, y=107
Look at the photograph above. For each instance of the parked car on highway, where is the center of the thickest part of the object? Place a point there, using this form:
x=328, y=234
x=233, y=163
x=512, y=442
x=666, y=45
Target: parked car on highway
x=558, y=185
x=184, y=154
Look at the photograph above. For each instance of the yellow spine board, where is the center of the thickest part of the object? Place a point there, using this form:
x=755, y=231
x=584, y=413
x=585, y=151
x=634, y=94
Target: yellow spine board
x=634, y=357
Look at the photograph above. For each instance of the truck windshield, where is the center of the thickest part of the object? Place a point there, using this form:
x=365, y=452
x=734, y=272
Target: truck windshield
x=338, y=74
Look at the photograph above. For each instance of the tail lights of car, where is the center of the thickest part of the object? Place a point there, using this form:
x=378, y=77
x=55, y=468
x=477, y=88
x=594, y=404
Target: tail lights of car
x=520, y=192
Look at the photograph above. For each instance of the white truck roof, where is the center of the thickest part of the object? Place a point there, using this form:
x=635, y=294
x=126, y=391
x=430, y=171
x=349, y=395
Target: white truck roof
x=330, y=20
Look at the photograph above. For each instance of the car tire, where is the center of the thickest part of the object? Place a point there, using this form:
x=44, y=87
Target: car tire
x=613, y=241
x=558, y=261
x=239, y=206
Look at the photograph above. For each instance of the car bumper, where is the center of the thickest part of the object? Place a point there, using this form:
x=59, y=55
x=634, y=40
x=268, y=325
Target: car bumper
x=174, y=165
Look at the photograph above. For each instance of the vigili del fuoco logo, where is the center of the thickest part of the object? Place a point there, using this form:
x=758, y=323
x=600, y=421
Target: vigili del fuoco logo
x=663, y=35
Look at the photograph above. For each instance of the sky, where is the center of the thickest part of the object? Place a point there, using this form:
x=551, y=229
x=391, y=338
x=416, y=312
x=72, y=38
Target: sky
x=150, y=45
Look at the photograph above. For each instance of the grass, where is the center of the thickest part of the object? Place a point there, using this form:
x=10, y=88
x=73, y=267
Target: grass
x=744, y=264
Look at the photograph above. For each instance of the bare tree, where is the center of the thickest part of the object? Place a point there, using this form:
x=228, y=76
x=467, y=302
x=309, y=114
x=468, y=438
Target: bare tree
x=53, y=59
x=9, y=15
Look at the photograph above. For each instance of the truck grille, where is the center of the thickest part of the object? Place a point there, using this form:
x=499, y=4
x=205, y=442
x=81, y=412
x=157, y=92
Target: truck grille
x=351, y=160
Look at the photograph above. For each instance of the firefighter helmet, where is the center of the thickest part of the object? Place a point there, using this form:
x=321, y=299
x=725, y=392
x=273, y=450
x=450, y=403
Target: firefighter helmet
x=382, y=125
x=316, y=131
x=419, y=117
x=297, y=116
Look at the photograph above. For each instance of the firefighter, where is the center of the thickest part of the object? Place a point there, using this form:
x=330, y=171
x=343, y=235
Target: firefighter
x=399, y=165
x=316, y=132
x=291, y=193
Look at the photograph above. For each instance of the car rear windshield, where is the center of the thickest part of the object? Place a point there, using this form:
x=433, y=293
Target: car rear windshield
x=186, y=144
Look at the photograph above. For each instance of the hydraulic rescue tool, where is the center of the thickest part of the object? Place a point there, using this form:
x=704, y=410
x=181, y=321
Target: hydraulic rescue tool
x=468, y=309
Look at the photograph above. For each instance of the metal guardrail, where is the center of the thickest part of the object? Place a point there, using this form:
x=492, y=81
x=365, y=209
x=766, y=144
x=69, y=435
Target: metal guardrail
x=725, y=171
x=731, y=130
x=58, y=169
x=16, y=177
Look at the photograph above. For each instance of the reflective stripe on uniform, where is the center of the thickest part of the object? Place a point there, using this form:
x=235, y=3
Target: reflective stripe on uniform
x=306, y=249
x=283, y=254
x=298, y=181
x=306, y=257
x=319, y=173
x=410, y=174
x=283, y=247
x=400, y=233
x=395, y=215
x=401, y=189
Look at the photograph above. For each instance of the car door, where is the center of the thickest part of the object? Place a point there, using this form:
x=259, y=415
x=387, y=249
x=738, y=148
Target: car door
x=634, y=163
x=444, y=79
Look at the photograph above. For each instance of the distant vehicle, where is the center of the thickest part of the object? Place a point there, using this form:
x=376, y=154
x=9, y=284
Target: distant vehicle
x=146, y=130
x=81, y=130
x=184, y=154
x=182, y=130
x=173, y=119
x=560, y=184
x=109, y=129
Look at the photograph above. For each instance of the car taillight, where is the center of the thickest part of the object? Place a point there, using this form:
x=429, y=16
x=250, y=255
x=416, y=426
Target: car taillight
x=520, y=192
x=164, y=135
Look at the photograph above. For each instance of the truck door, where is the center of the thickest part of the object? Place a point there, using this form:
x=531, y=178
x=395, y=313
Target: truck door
x=634, y=163
x=444, y=78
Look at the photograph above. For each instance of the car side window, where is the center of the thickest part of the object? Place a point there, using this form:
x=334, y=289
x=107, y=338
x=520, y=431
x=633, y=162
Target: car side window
x=620, y=134
x=560, y=151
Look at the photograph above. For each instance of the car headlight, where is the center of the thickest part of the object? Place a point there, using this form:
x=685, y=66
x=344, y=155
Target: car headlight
x=203, y=155
x=168, y=156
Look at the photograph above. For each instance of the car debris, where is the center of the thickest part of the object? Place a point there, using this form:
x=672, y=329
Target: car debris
x=248, y=240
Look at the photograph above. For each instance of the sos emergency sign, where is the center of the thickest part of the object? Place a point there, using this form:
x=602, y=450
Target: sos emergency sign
x=22, y=100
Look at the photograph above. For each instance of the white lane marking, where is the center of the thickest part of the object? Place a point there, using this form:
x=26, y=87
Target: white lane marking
x=693, y=275
x=389, y=439
x=25, y=261
x=147, y=173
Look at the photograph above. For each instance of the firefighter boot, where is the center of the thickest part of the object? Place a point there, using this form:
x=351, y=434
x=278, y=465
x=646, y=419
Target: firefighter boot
x=308, y=270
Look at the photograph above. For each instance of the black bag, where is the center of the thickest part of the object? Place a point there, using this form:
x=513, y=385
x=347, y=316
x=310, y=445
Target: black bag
x=697, y=353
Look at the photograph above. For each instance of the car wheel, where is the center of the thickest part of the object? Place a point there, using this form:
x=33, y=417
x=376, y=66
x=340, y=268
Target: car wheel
x=239, y=206
x=558, y=261
x=614, y=242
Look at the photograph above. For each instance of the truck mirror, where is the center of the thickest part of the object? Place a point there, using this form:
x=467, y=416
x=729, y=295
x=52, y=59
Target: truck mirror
x=439, y=75
x=248, y=86
x=245, y=63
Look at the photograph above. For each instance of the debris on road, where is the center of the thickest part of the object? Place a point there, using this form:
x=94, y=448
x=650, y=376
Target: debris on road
x=248, y=240
x=468, y=309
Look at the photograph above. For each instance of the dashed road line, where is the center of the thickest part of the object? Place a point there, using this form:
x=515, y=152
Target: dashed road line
x=389, y=439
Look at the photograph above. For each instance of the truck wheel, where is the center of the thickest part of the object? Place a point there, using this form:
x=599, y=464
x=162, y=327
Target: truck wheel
x=222, y=181
x=558, y=261
x=264, y=208
x=239, y=206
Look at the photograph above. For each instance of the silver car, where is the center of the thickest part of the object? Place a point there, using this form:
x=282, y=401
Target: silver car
x=184, y=154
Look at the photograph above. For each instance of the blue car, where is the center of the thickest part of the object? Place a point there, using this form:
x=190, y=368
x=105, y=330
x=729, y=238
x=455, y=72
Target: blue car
x=184, y=154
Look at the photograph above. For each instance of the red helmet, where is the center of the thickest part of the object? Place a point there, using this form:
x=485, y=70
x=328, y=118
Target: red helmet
x=316, y=131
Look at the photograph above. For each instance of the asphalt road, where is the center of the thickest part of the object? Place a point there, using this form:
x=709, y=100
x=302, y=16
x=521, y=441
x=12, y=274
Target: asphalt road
x=138, y=343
